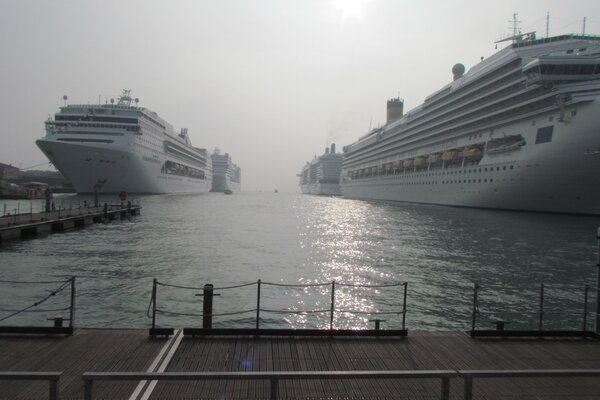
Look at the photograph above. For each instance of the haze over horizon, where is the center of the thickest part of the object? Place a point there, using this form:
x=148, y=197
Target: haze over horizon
x=272, y=83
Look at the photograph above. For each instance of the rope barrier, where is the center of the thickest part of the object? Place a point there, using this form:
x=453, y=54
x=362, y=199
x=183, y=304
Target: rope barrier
x=298, y=286
x=178, y=286
x=39, y=311
x=369, y=312
x=34, y=282
x=237, y=286
x=37, y=303
x=369, y=286
x=295, y=312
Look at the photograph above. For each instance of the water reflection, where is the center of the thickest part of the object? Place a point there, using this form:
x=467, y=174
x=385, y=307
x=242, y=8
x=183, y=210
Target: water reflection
x=309, y=240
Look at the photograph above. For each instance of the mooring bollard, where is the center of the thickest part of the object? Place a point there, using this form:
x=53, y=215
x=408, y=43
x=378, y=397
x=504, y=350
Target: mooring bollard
x=207, y=305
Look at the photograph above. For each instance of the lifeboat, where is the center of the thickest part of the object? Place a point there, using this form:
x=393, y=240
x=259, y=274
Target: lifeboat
x=450, y=155
x=508, y=143
x=419, y=161
x=472, y=151
x=434, y=157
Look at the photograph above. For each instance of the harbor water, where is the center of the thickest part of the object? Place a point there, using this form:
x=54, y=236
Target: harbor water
x=297, y=245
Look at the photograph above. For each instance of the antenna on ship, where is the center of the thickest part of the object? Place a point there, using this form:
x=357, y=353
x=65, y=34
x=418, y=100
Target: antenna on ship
x=65, y=99
x=583, y=27
x=548, y=24
x=515, y=25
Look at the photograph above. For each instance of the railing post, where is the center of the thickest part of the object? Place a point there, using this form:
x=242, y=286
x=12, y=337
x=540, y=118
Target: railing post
x=585, y=307
x=541, y=311
x=274, y=384
x=474, y=315
x=53, y=395
x=468, y=388
x=207, y=302
x=445, y=388
x=597, y=319
x=258, y=305
x=154, y=281
x=332, y=305
x=404, y=307
x=73, y=304
x=87, y=389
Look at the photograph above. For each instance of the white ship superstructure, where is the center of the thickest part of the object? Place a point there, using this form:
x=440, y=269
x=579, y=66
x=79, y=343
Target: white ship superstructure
x=123, y=147
x=322, y=175
x=226, y=175
x=519, y=131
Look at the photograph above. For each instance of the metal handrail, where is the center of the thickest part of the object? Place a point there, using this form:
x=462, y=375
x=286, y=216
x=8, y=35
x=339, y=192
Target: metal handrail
x=520, y=373
x=273, y=377
x=51, y=377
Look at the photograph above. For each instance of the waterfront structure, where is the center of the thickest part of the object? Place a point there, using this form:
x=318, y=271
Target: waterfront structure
x=227, y=177
x=109, y=148
x=322, y=174
x=518, y=131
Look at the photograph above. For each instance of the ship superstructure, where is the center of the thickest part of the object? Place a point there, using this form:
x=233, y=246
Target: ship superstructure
x=322, y=175
x=122, y=147
x=518, y=131
x=227, y=177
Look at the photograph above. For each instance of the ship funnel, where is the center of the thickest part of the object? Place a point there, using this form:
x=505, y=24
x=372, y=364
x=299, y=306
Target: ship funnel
x=332, y=151
x=395, y=109
x=326, y=150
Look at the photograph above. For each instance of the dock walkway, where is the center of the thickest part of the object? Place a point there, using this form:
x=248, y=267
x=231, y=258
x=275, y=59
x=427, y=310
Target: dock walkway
x=27, y=225
x=111, y=350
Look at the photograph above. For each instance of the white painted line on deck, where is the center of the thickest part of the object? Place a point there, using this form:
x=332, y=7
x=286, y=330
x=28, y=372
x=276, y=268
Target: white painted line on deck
x=144, y=388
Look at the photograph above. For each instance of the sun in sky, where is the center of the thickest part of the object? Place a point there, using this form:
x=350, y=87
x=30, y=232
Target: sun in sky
x=350, y=9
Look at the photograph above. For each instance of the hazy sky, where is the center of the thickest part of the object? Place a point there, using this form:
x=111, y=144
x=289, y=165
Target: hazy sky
x=271, y=82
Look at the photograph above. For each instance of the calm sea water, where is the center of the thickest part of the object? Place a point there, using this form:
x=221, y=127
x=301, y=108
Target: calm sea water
x=294, y=239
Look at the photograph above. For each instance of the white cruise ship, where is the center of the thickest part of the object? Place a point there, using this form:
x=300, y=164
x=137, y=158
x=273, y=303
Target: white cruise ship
x=322, y=175
x=122, y=147
x=227, y=177
x=518, y=131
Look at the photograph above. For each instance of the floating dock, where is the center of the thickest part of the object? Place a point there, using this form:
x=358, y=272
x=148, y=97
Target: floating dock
x=29, y=225
x=89, y=353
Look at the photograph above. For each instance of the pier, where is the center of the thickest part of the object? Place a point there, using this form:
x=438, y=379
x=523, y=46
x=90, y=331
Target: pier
x=19, y=226
x=113, y=362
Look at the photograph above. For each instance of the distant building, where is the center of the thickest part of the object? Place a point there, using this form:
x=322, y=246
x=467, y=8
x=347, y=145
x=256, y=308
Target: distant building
x=8, y=172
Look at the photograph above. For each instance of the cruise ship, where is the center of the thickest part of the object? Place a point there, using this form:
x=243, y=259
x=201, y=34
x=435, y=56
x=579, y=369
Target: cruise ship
x=109, y=148
x=518, y=131
x=227, y=177
x=322, y=175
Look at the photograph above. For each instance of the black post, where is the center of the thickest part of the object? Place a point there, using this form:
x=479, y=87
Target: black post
x=474, y=316
x=106, y=210
x=95, y=196
x=154, y=303
x=258, y=305
x=72, y=308
x=404, y=307
x=585, y=306
x=207, y=305
x=541, y=312
x=332, y=304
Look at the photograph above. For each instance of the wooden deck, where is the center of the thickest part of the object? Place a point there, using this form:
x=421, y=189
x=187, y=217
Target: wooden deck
x=132, y=350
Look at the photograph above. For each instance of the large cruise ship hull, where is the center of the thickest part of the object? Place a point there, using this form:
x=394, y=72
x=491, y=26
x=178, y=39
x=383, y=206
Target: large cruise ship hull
x=559, y=176
x=115, y=169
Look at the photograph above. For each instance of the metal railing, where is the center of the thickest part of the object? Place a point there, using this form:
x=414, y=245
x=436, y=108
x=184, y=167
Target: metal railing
x=35, y=307
x=533, y=306
x=272, y=377
x=468, y=376
x=51, y=377
x=208, y=293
